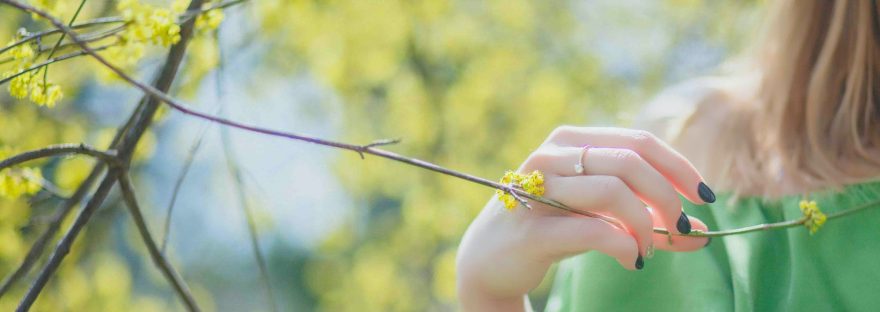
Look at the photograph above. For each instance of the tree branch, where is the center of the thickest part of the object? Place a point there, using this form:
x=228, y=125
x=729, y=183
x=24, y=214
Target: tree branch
x=40, y=244
x=141, y=121
x=66, y=207
x=51, y=61
x=159, y=260
x=86, y=24
x=61, y=149
x=63, y=247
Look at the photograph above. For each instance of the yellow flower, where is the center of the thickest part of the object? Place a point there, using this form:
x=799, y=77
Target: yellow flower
x=179, y=6
x=532, y=183
x=147, y=23
x=814, y=217
x=21, y=52
x=209, y=20
x=18, y=182
x=45, y=94
x=19, y=86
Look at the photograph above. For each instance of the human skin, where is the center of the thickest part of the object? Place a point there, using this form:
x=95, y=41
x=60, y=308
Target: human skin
x=629, y=175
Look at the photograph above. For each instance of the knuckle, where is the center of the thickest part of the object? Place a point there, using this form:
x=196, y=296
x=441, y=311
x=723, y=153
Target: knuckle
x=538, y=159
x=626, y=158
x=642, y=138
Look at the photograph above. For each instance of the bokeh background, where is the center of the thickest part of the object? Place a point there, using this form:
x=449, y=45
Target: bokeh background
x=470, y=85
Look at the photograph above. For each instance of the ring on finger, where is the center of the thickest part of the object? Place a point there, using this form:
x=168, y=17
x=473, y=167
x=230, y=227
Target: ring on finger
x=579, y=166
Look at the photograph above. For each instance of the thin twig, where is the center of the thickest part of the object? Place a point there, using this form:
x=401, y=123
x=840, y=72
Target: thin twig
x=82, y=3
x=773, y=226
x=60, y=149
x=235, y=170
x=86, y=24
x=159, y=260
x=178, y=183
x=251, y=222
x=51, y=61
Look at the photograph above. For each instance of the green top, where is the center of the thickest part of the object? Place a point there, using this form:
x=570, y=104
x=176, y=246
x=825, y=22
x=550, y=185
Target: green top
x=835, y=269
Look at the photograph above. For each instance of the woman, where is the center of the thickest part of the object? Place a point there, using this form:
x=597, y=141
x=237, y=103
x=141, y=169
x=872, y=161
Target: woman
x=800, y=118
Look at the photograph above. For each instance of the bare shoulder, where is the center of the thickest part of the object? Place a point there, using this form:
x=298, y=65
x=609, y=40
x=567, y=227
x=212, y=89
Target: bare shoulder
x=692, y=115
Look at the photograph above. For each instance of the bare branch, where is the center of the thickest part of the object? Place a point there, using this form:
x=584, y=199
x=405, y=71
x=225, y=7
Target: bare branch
x=63, y=247
x=66, y=207
x=134, y=130
x=159, y=260
x=86, y=24
x=40, y=244
x=51, y=61
x=61, y=149
x=178, y=183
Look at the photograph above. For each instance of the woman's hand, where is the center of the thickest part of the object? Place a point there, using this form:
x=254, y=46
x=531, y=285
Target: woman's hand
x=504, y=254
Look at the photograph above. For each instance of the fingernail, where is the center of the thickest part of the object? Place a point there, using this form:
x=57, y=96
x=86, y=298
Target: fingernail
x=706, y=193
x=649, y=253
x=683, y=224
x=709, y=240
x=640, y=263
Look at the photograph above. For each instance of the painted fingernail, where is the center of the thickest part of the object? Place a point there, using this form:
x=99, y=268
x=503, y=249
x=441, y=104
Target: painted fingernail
x=709, y=240
x=649, y=253
x=706, y=193
x=640, y=263
x=683, y=225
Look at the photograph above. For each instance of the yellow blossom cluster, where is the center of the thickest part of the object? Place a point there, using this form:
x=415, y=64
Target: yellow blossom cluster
x=210, y=19
x=18, y=181
x=532, y=183
x=147, y=23
x=814, y=217
x=41, y=92
x=24, y=181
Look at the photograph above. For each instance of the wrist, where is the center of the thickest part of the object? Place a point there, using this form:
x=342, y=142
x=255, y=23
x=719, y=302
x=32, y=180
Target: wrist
x=472, y=297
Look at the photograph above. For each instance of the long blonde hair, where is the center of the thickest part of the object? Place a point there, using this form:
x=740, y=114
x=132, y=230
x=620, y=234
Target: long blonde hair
x=814, y=120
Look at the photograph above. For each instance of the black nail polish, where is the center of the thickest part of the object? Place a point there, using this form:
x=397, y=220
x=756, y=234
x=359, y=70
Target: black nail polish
x=640, y=263
x=706, y=193
x=709, y=240
x=683, y=225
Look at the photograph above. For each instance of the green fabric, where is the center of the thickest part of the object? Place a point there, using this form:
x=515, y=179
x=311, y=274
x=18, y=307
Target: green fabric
x=836, y=269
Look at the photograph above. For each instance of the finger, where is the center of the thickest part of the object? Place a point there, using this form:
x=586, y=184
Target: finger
x=562, y=237
x=606, y=195
x=643, y=179
x=680, y=243
x=671, y=164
